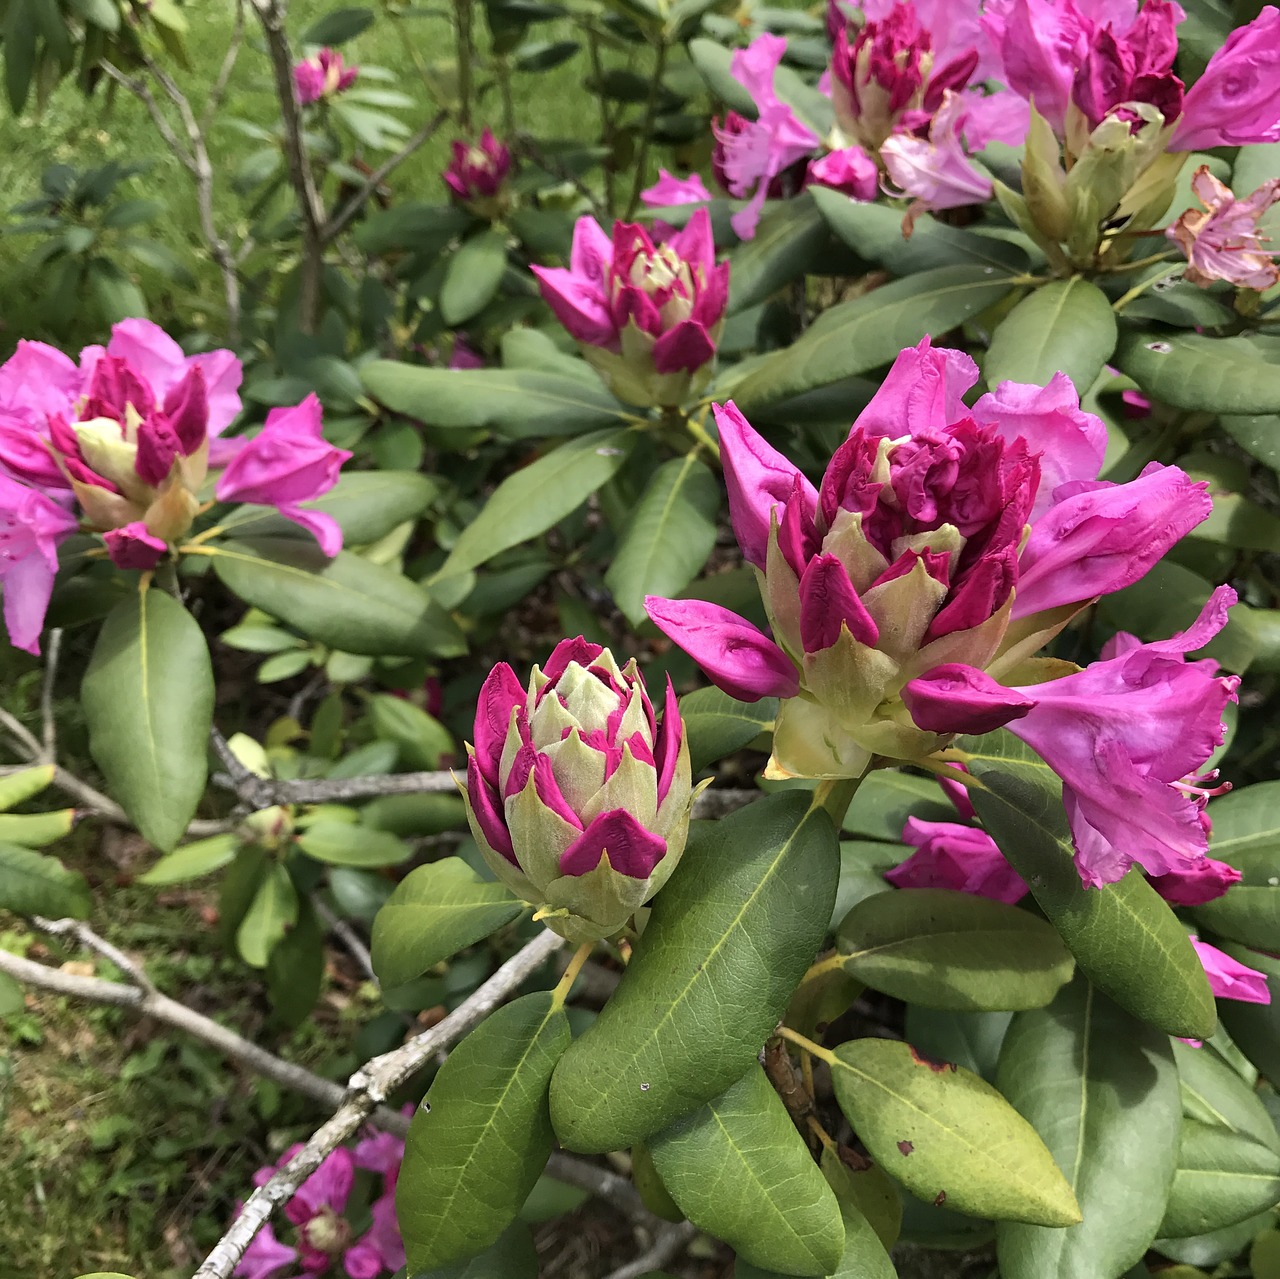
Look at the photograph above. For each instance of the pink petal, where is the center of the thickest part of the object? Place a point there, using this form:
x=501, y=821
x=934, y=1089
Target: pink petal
x=133, y=547
x=1197, y=883
x=683, y=349
x=500, y=694
x=922, y=391
x=488, y=812
x=632, y=850
x=828, y=603
x=961, y=699
x=1230, y=979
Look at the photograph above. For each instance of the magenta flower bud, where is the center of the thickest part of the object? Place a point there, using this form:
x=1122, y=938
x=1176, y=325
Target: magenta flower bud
x=578, y=793
x=1197, y=883
x=1225, y=242
x=961, y=858
x=133, y=547
x=322, y=76
x=477, y=172
x=850, y=171
x=646, y=316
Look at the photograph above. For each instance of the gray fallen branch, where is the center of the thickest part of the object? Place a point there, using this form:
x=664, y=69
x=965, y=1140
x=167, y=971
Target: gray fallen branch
x=669, y=1241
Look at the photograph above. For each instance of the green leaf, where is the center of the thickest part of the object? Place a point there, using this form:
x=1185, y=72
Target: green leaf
x=338, y=26
x=740, y=1171
x=872, y=1212
x=1125, y=938
x=192, y=861
x=874, y=232
x=668, y=537
x=948, y=1136
x=1190, y=371
x=518, y=403
x=539, y=496
x=1065, y=326
x=35, y=830
x=23, y=785
x=1214, y=1094
x=272, y=912
x=34, y=884
x=1258, y=435
x=347, y=602
x=1255, y=1028
x=12, y=999
x=1249, y=912
x=855, y=337
x=421, y=738
x=717, y=724
x=953, y=950
x=434, y=912
x=1222, y=1178
x=295, y=969
x=479, y=1142
x=366, y=504
x=512, y=1257
x=727, y=942
x=472, y=276
x=148, y=699
x=1101, y=1089
x=971, y=1040
x=789, y=243
x=888, y=797
x=712, y=60
x=344, y=844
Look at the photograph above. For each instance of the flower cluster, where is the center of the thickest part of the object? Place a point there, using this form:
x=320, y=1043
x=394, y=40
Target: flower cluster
x=323, y=1234
x=1224, y=241
x=323, y=76
x=129, y=435
x=647, y=316
x=578, y=794
x=942, y=549
x=477, y=171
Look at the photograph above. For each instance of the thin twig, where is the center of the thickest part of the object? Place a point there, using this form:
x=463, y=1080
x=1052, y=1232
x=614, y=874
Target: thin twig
x=22, y=737
x=219, y=90
x=347, y=936
x=340, y=220
x=90, y=940
x=669, y=1241
x=48, y=726
x=602, y=1183
x=144, y=95
x=263, y=792
x=368, y=1088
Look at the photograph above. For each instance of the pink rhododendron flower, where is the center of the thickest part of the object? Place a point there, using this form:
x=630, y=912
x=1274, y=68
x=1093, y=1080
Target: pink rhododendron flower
x=1125, y=735
x=31, y=526
x=669, y=190
x=850, y=171
x=935, y=171
x=322, y=76
x=478, y=170
x=1234, y=103
x=464, y=355
x=1131, y=62
x=1225, y=241
x=266, y=1256
x=289, y=461
x=754, y=153
x=1230, y=979
x=909, y=557
x=647, y=316
x=962, y=858
x=133, y=547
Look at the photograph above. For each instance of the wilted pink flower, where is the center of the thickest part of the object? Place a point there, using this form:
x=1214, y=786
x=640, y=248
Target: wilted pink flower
x=888, y=71
x=578, y=794
x=31, y=526
x=287, y=462
x=478, y=170
x=1235, y=102
x=910, y=556
x=669, y=190
x=1225, y=242
x=1230, y=979
x=962, y=858
x=935, y=171
x=752, y=154
x=322, y=76
x=647, y=316
x=1127, y=735
x=850, y=171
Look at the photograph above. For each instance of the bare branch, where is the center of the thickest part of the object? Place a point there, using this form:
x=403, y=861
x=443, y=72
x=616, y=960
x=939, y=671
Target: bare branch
x=85, y=935
x=347, y=936
x=669, y=1241
x=22, y=737
x=602, y=1183
x=338, y=223
x=144, y=95
x=367, y=1089
x=262, y=792
x=48, y=728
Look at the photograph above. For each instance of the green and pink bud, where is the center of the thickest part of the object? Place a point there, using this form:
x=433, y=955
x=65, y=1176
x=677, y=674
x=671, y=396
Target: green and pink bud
x=477, y=172
x=578, y=793
x=646, y=316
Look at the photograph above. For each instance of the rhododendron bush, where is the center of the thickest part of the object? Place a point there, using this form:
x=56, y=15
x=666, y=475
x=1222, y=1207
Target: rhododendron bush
x=744, y=637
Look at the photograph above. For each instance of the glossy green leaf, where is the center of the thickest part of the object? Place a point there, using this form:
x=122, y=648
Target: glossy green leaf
x=472, y=276
x=874, y=232
x=1256, y=1027
x=192, y=861
x=35, y=884
x=649, y=1185
x=1222, y=1178
x=717, y=724
x=1125, y=939
x=366, y=504
x=888, y=797
x=23, y=785
x=1065, y=326
x=434, y=912
x=948, y=1136
x=512, y=1257
x=668, y=536
x=479, y=1142
x=855, y=337
x=338, y=26
x=1258, y=434
x=971, y=1040
x=148, y=699
x=729, y=938
x=1214, y=1094
x=740, y=1171
x=422, y=739
x=272, y=912
x=1249, y=912
x=348, y=603
x=789, y=243
x=36, y=830
x=347, y=844
x=538, y=496
x=863, y=863
x=295, y=969
x=1190, y=371
x=955, y=950
x=872, y=1210
x=1101, y=1089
